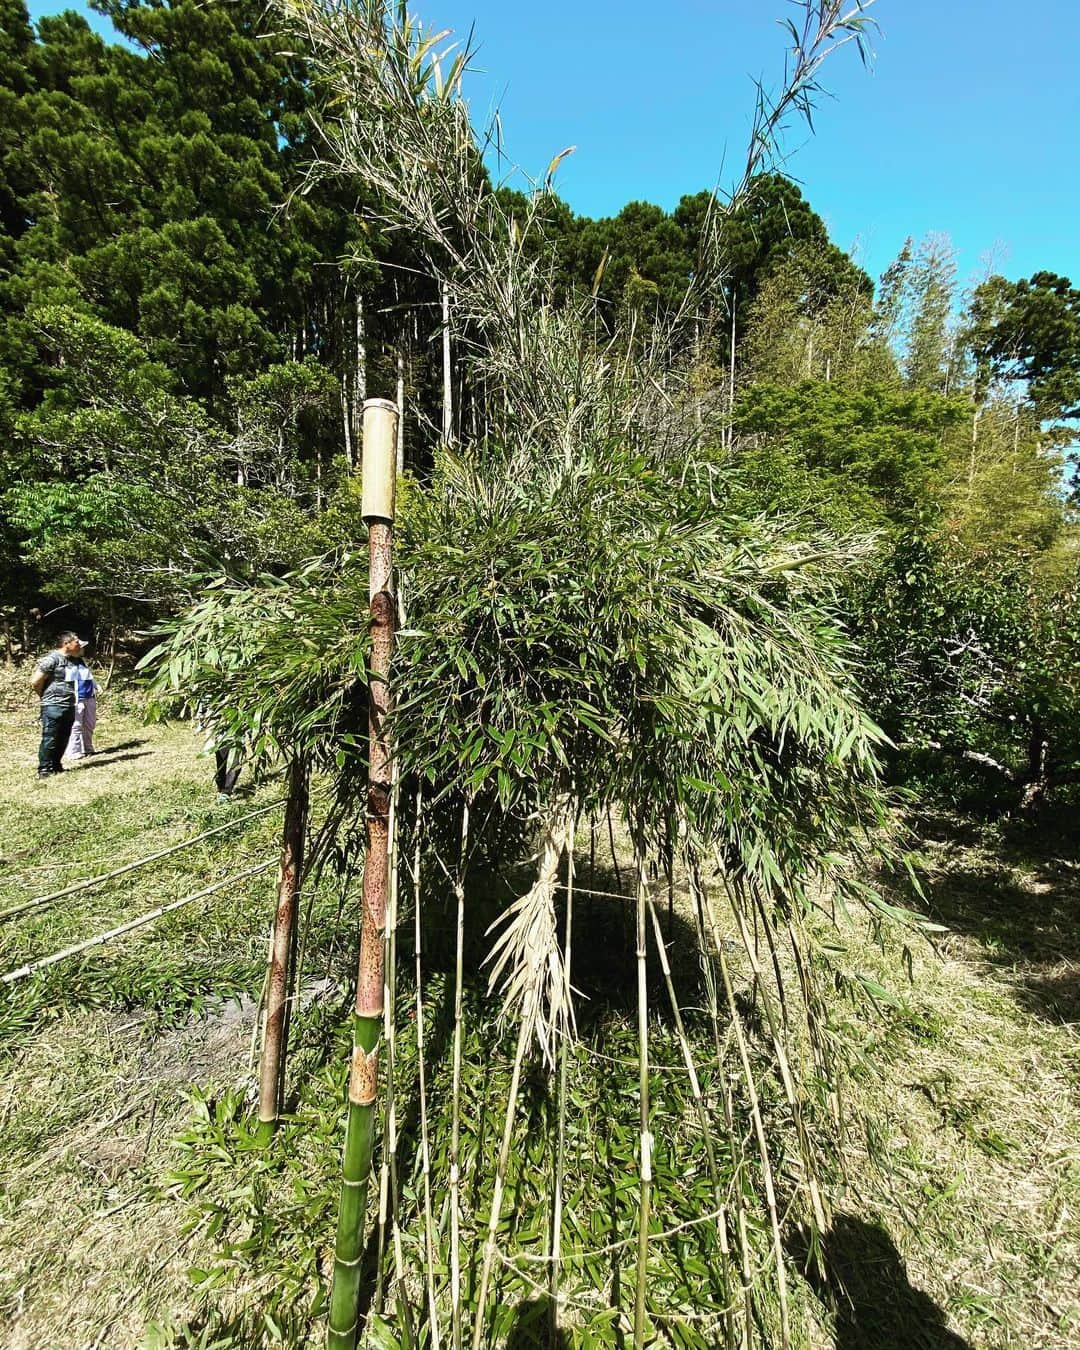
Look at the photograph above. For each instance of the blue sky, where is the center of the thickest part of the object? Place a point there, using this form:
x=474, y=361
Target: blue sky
x=968, y=123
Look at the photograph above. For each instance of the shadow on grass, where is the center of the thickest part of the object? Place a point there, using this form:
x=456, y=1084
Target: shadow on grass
x=534, y=1327
x=1019, y=897
x=132, y=744
x=603, y=943
x=867, y=1287
x=104, y=759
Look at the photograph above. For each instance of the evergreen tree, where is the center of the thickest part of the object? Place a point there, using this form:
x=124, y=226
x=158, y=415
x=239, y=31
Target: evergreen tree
x=1030, y=330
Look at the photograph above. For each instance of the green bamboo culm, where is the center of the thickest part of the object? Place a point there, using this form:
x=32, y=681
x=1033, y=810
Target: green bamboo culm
x=355, y=1172
x=380, y=436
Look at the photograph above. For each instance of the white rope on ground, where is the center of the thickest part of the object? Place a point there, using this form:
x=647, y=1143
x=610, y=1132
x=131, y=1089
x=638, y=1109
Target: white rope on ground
x=141, y=862
x=22, y=971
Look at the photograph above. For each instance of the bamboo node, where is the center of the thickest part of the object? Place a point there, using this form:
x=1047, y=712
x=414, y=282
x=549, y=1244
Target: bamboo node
x=364, y=1075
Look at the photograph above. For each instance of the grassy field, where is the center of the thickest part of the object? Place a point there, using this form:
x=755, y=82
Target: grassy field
x=136, y=1210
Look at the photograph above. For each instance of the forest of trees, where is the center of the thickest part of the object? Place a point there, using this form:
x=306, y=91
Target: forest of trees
x=191, y=324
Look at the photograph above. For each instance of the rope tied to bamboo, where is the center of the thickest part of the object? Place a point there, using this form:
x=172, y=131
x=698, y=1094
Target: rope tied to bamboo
x=121, y=929
x=40, y=900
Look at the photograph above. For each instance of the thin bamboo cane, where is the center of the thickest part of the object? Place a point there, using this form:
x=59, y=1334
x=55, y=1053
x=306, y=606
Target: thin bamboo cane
x=495, y=1212
x=257, y=1021
x=564, y=1057
x=687, y=1053
x=697, y=891
x=425, y=1145
x=779, y=1048
x=131, y=867
x=669, y=867
x=455, y=1091
x=99, y=939
x=378, y=509
x=281, y=972
x=614, y=852
x=390, y=1032
x=759, y=1133
x=699, y=1100
x=645, y=1158
x=816, y=1019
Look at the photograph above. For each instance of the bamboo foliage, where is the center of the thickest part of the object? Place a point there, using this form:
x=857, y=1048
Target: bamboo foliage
x=589, y=629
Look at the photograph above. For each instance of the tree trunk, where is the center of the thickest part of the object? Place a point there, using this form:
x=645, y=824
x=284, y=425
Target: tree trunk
x=283, y=949
x=1038, y=773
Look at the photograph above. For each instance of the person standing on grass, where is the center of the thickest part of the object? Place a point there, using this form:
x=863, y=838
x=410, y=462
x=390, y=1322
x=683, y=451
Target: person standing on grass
x=226, y=771
x=81, y=741
x=56, y=688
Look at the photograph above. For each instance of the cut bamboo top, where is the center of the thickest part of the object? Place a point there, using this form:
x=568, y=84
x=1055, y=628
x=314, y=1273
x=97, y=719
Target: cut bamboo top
x=380, y=459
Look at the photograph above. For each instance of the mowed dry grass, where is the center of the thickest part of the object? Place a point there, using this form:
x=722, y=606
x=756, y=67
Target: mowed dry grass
x=94, y=1089
x=966, y=1146
x=956, y=1226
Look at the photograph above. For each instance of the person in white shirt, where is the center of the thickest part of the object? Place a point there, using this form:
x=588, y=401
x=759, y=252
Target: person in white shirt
x=81, y=741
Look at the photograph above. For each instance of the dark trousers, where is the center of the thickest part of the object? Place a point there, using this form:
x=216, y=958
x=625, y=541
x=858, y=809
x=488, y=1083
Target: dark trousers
x=224, y=777
x=56, y=722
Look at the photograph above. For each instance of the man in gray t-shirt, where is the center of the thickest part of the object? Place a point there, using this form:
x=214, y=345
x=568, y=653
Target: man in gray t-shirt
x=54, y=683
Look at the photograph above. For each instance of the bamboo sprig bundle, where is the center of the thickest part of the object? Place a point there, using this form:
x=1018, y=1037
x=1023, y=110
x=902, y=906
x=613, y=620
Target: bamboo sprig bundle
x=584, y=604
x=538, y=992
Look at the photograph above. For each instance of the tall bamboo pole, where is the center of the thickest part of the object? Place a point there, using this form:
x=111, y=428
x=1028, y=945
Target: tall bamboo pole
x=560, y=1139
x=283, y=948
x=455, y=1089
x=646, y=1139
x=380, y=459
x=447, y=380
